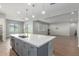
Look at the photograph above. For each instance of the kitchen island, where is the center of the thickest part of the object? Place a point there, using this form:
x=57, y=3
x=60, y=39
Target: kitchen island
x=33, y=45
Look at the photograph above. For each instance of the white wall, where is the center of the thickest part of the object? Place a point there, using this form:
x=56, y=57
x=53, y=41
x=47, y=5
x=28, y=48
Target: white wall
x=60, y=29
x=78, y=29
x=78, y=32
x=73, y=28
x=1, y=21
x=64, y=24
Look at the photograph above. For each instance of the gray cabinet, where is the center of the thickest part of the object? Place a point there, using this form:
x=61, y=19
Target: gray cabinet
x=23, y=48
x=33, y=51
x=28, y=50
x=50, y=48
x=13, y=43
x=16, y=45
x=19, y=47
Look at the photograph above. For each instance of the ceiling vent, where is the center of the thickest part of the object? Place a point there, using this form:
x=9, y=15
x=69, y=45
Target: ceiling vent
x=52, y=3
x=26, y=9
x=33, y=5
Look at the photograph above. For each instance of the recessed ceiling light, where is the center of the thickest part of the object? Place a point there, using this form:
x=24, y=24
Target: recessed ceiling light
x=26, y=18
x=33, y=5
x=33, y=16
x=43, y=12
x=72, y=12
x=28, y=3
x=73, y=24
x=18, y=12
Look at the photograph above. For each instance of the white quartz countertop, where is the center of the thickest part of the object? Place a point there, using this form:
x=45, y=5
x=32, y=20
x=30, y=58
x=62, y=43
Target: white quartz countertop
x=35, y=39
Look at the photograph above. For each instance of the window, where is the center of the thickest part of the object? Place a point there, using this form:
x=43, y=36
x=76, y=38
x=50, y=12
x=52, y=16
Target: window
x=28, y=28
x=16, y=28
x=13, y=28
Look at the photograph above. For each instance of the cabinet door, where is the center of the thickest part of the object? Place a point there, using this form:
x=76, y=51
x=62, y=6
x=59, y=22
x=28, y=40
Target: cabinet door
x=17, y=45
x=32, y=51
x=50, y=48
x=20, y=47
x=29, y=50
x=13, y=43
x=25, y=47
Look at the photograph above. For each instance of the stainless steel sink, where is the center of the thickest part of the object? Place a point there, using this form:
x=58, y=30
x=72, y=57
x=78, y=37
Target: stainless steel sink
x=22, y=36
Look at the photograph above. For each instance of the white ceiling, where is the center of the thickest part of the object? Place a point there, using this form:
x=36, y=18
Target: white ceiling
x=10, y=9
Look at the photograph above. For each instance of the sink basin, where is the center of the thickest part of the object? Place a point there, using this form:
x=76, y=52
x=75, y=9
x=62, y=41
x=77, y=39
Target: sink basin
x=22, y=36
